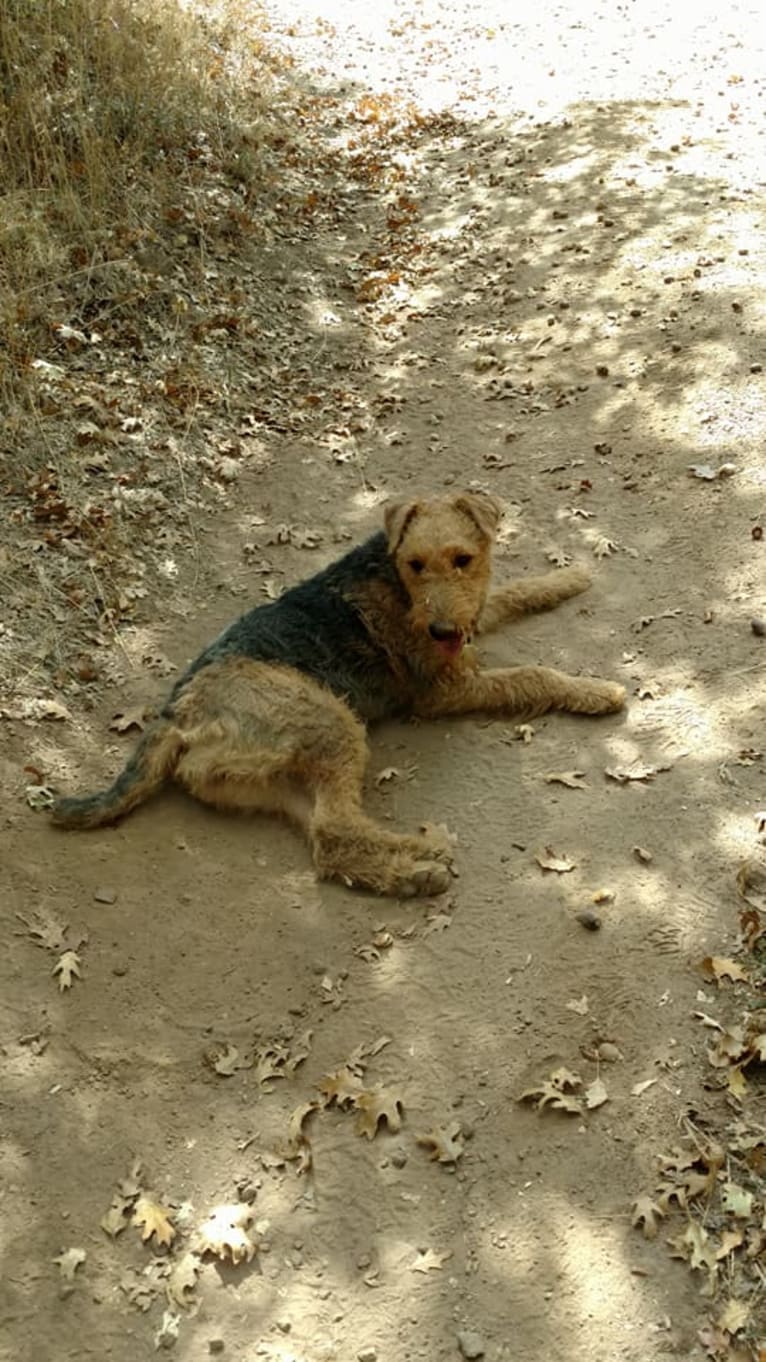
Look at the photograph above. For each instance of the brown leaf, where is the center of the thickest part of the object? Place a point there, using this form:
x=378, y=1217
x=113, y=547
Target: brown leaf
x=300, y=1049
x=153, y=1220
x=718, y=967
x=270, y=1063
x=556, y=1092
x=374, y=1106
x=646, y=1215
x=638, y=770
x=734, y=1316
x=574, y=780
x=341, y=1087
x=596, y=1094
x=297, y=1148
x=226, y=1060
x=550, y=860
x=225, y=1233
x=182, y=1279
x=444, y=1142
x=124, y=720
x=45, y=931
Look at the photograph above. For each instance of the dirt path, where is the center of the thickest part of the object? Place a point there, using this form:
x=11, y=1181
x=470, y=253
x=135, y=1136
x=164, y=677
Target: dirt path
x=547, y=282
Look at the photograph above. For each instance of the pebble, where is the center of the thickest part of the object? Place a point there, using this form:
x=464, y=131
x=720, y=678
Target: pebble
x=105, y=896
x=367, y=1355
x=758, y=626
x=589, y=920
x=398, y=1158
x=470, y=1344
x=215, y=1345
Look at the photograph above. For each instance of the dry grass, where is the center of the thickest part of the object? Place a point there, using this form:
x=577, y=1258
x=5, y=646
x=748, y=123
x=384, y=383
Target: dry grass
x=109, y=114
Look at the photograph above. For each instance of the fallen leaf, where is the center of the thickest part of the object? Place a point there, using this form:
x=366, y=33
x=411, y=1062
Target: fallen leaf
x=227, y=1061
x=638, y=770
x=45, y=931
x=390, y=773
x=730, y=1240
x=341, y=1087
x=39, y=797
x=270, y=1063
x=153, y=1220
x=117, y=1218
x=166, y=1336
x=646, y=1215
x=595, y=1094
x=558, y=557
x=578, y=1005
x=734, y=1316
x=123, y=721
x=737, y=1200
x=444, y=1142
x=639, y=1088
x=374, y=1106
x=556, y=1092
x=437, y=922
x=300, y=1049
x=737, y=1084
x=524, y=732
x=297, y=1148
x=603, y=546
x=183, y=1279
x=130, y=1185
x=69, y=1261
x=707, y=473
x=225, y=1233
x=550, y=860
x=718, y=967
x=574, y=780
x=429, y=1261
x=67, y=968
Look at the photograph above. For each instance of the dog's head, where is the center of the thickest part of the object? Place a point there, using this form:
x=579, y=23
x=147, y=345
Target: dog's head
x=442, y=550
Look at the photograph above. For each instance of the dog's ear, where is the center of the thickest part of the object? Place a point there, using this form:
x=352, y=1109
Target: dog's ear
x=484, y=510
x=396, y=517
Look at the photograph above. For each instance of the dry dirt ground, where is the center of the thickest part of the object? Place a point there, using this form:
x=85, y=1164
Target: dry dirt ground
x=546, y=279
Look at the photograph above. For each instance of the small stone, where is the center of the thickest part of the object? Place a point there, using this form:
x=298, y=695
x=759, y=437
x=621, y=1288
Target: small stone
x=367, y=1355
x=284, y=1325
x=758, y=626
x=602, y=370
x=589, y=920
x=399, y=1158
x=641, y=854
x=215, y=1345
x=470, y=1344
x=105, y=896
x=363, y=1261
x=756, y=368
x=609, y=1052
x=119, y=968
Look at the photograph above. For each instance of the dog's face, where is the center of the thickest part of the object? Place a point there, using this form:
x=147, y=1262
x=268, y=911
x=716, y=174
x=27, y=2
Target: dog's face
x=442, y=550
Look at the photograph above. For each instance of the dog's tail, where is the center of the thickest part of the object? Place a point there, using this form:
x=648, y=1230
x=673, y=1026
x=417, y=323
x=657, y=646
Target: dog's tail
x=149, y=767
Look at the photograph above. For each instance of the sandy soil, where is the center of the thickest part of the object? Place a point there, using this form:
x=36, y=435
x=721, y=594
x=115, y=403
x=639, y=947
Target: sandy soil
x=555, y=292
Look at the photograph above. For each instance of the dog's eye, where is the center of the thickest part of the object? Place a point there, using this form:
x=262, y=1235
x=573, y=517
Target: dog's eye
x=416, y=564
x=462, y=560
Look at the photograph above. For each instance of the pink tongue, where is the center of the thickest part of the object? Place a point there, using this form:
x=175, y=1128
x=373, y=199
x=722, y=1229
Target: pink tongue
x=451, y=646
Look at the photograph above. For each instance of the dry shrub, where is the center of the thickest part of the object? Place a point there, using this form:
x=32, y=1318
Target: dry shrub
x=109, y=115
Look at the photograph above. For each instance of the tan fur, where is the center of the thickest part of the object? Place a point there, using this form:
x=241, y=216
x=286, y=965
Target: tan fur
x=260, y=736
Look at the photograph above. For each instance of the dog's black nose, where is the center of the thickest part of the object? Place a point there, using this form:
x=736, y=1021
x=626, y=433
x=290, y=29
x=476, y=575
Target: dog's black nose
x=442, y=632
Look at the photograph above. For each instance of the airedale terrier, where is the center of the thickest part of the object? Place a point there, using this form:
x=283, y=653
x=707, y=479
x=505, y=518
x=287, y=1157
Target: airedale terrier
x=271, y=717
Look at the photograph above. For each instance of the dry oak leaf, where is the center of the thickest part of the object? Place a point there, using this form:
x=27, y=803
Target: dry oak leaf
x=697, y=1249
x=123, y=721
x=550, y=860
x=646, y=1215
x=299, y=1051
x=67, y=968
x=603, y=546
x=734, y=1316
x=596, y=1094
x=270, y=1064
x=375, y=1105
x=227, y=1060
x=737, y=1084
x=444, y=1142
x=297, y=1149
x=556, y=1092
x=69, y=1261
x=737, y=1200
x=183, y=1279
x=117, y=1217
x=225, y=1233
x=718, y=967
x=153, y=1221
x=638, y=770
x=430, y=1261
x=341, y=1087
x=45, y=931
x=574, y=780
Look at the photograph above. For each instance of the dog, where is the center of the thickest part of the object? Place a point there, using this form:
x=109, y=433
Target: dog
x=272, y=716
